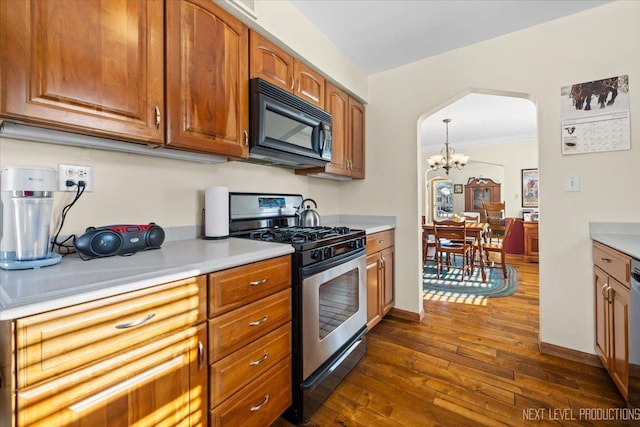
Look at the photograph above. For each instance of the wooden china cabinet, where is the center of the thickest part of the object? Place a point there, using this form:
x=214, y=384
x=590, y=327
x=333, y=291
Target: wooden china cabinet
x=480, y=190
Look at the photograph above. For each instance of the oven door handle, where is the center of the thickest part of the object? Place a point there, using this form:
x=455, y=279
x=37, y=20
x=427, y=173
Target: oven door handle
x=332, y=262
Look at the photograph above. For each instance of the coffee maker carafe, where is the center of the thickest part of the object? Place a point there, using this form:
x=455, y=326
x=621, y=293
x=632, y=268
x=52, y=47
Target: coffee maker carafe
x=26, y=201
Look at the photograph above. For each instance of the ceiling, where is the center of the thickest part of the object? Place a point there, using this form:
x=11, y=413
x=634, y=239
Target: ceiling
x=378, y=35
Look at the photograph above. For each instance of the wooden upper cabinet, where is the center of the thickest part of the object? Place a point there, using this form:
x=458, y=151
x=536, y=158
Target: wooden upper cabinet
x=273, y=64
x=337, y=104
x=347, y=132
x=207, y=78
x=356, y=138
x=89, y=66
x=309, y=84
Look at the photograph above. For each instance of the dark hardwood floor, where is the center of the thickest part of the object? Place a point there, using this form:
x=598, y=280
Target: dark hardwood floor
x=468, y=364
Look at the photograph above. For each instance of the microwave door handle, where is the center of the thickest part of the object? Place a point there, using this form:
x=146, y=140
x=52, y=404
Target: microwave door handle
x=323, y=139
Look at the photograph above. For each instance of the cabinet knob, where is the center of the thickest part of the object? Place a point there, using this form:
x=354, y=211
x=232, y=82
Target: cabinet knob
x=606, y=260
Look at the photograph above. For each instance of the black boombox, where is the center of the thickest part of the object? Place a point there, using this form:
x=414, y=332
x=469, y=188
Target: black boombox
x=113, y=240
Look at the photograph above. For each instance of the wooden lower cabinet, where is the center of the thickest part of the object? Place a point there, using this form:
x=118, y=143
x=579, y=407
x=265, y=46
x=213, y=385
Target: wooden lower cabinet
x=132, y=359
x=260, y=403
x=530, y=241
x=159, y=384
x=612, y=295
x=250, y=343
x=380, y=275
x=156, y=357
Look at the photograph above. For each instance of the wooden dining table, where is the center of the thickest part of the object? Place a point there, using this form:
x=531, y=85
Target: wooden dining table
x=479, y=230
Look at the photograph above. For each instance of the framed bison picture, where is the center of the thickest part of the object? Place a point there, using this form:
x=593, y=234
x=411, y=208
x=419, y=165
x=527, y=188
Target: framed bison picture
x=595, y=116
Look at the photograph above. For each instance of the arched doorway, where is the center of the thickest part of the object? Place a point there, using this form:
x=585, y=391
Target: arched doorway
x=497, y=130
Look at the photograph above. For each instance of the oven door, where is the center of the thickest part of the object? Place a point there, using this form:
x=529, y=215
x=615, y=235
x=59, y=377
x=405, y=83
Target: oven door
x=333, y=309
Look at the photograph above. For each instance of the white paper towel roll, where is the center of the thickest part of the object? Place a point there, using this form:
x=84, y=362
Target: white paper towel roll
x=216, y=211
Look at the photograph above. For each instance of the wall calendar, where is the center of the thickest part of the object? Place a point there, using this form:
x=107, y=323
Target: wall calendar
x=595, y=116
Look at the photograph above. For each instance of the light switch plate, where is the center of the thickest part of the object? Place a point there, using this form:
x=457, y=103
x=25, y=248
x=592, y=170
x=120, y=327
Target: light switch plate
x=572, y=183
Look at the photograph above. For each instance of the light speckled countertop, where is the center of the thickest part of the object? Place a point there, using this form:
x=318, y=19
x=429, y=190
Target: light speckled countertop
x=73, y=281
x=622, y=236
x=370, y=224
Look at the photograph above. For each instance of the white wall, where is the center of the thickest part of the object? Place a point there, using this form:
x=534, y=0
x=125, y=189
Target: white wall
x=595, y=44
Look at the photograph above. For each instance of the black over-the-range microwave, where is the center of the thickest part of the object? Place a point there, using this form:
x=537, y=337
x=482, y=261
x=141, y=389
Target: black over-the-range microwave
x=285, y=130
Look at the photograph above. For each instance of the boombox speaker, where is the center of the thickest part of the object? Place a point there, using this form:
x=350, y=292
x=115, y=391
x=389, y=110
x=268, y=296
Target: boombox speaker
x=110, y=240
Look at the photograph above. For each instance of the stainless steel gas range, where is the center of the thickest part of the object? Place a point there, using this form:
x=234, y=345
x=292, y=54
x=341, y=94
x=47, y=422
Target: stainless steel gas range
x=328, y=293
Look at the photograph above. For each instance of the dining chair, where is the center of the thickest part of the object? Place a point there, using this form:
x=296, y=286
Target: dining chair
x=451, y=239
x=498, y=246
x=428, y=242
x=494, y=214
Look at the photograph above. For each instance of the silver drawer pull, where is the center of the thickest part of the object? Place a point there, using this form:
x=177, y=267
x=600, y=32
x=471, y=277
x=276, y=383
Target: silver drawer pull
x=258, y=282
x=259, y=322
x=380, y=241
x=200, y=355
x=135, y=323
x=259, y=361
x=606, y=260
x=264, y=402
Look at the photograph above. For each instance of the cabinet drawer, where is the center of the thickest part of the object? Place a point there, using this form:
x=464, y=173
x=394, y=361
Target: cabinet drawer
x=379, y=241
x=236, y=370
x=154, y=377
x=232, y=331
x=260, y=403
x=614, y=263
x=238, y=286
x=58, y=341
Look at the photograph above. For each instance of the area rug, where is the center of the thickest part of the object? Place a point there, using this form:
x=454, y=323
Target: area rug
x=450, y=287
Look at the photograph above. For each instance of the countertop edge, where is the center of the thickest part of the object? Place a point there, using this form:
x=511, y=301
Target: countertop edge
x=127, y=284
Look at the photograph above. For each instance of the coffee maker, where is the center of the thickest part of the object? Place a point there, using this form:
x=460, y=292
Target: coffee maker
x=26, y=201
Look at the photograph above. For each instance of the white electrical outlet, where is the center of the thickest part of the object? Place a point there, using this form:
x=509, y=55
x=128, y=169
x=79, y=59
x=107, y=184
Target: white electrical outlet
x=75, y=174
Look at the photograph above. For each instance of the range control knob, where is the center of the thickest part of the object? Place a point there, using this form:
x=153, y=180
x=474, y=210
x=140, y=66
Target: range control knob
x=327, y=253
x=317, y=255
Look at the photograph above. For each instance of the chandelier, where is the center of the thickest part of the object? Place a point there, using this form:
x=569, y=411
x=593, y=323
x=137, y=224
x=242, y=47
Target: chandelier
x=447, y=159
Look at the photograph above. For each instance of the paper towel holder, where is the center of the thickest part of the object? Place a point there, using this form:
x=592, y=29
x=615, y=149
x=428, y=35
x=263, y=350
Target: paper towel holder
x=203, y=229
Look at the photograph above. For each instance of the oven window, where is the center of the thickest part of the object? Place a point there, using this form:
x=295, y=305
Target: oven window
x=284, y=129
x=338, y=301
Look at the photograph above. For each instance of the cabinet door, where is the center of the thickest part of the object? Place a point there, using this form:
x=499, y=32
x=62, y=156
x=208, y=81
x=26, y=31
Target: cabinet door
x=160, y=384
x=388, y=263
x=270, y=63
x=309, y=84
x=602, y=312
x=337, y=104
x=207, y=79
x=373, y=290
x=356, y=138
x=619, y=357
x=90, y=66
